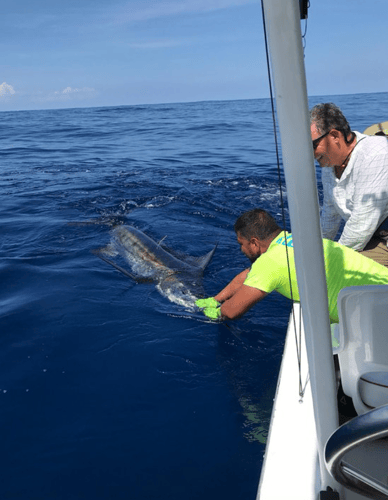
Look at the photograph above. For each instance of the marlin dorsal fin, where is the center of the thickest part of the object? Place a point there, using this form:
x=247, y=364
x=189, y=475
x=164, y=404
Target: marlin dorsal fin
x=204, y=260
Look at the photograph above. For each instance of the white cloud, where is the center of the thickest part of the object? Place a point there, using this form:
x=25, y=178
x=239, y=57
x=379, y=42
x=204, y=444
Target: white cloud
x=69, y=94
x=69, y=90
x=6, y=90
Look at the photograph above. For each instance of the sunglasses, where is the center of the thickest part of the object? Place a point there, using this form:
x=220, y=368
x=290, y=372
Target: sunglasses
x=318, y=140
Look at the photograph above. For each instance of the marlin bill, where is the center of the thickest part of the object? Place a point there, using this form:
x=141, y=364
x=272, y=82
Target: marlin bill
x=177, y=277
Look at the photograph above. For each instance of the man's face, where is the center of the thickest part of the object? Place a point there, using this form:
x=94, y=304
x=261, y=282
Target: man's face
x=249, y=247
x=327, y=151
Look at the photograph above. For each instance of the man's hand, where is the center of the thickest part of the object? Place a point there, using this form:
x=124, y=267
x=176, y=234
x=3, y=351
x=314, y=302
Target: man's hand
x=210, y=302
x=214, y=313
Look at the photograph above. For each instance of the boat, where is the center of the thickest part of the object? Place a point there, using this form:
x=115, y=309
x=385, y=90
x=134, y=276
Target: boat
x=316, y=449
x=377, y=129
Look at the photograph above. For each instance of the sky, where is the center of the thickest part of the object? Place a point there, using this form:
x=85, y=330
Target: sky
x=84, y=53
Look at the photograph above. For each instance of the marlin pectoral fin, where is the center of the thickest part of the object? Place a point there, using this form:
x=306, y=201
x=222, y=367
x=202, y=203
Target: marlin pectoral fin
x=121, y=269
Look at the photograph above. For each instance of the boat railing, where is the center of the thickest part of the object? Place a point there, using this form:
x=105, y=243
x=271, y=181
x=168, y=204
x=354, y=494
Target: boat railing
x=359, y=431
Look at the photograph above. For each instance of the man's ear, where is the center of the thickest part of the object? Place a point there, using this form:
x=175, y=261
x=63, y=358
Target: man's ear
x=255, y=242
x=336, y=134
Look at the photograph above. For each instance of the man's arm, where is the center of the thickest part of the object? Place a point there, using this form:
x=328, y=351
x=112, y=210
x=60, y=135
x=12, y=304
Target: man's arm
x=330, y=221
x=361, y=226
x=232, y=287
x=370, y=204
x=241, y=301
x=330, y=218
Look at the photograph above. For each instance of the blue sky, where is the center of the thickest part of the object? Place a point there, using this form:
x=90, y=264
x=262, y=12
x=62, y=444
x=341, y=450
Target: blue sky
x=78, y=53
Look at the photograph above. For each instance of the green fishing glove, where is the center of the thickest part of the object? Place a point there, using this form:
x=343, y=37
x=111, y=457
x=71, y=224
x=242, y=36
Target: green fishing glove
x=210, y=302
x=212, y=312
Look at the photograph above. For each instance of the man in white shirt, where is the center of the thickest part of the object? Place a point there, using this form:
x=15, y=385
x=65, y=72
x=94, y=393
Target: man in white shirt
x=355, y=182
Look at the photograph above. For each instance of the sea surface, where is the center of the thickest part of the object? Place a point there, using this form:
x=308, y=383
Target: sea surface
x=109, y=390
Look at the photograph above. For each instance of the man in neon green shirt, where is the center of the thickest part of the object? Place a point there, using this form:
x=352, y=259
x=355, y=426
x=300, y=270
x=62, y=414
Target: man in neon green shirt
x=270, y=250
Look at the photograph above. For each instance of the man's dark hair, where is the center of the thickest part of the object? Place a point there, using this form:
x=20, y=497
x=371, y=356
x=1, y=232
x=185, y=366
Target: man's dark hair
x=256, y=223
x=327, y=116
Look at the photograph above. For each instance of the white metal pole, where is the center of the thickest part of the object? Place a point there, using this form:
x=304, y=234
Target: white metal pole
x=287, y=63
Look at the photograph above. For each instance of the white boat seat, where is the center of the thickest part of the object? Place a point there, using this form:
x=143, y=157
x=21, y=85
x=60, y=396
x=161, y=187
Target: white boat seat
x=373, y=388
x=363, y=351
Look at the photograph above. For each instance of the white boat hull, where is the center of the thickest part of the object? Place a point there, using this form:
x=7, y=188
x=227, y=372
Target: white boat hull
x=292, y=441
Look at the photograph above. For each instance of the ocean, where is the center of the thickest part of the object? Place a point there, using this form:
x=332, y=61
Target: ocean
x=108, y=390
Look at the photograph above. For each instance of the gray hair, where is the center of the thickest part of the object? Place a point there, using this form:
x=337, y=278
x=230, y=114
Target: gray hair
x=328, y=116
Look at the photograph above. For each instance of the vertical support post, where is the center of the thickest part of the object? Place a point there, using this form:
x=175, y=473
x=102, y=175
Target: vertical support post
x=287, y=63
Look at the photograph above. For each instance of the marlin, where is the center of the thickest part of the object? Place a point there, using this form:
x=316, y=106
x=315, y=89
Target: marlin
x=178, y=277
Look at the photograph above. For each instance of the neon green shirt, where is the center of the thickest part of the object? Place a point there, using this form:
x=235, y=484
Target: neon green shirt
x=344, y=267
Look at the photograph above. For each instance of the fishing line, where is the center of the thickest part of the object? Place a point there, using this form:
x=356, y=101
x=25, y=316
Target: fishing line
x=298, y=332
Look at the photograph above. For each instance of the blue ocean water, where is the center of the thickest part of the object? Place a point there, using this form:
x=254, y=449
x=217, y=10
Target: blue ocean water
x=107, y=389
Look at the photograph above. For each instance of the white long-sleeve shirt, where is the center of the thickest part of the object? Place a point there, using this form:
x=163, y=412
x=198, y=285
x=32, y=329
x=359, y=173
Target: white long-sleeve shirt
x=360, y=196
